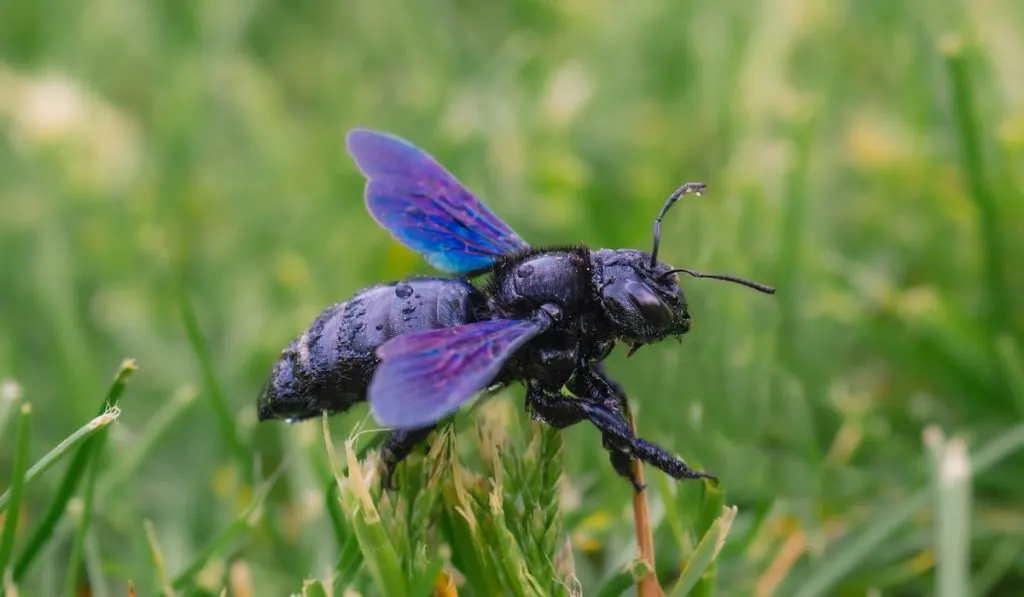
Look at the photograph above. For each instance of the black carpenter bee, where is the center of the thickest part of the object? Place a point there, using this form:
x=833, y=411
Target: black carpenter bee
x=417, y=349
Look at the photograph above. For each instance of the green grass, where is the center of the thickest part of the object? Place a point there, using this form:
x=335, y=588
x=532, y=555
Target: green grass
x=174, y=189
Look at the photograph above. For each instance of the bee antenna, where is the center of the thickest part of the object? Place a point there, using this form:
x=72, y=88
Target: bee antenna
x=748, y=283
x=690, y=187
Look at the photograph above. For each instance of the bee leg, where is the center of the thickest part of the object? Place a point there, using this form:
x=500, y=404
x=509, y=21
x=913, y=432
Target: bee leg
x=601, y=399
x=619, y=435
x=590, y=381
x=563, y=411
x=672, y=466
x=552, y=408
x=622, y=462
x=396, y=448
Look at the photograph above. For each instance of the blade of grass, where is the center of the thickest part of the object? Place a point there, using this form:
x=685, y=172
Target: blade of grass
x=94, y=567
x=313, y=588
x=78, y=544
x=625, y=578
x=712, y=515
x=225, y=420
x=56, y=510
x=792, y=275
x=63, y=449
x=431, y=577
x=953, y=521
x=461, y=532
x=337, y=517
x=706, y=553
x=57, y=269
x=965, y=121
x=17, y=487
x=1011, y=361
x=460, y=520
x=155, y=428
x=840, y=564
x=931, y=345
x=185, y=580
x=349, y=555
x=509, y=554
x=248, y=518
x=675, y=522
x=379, y=553
x=159, y=562
x=1004, y=557
x=322, y=468
x=73, y=474
x=348, y=562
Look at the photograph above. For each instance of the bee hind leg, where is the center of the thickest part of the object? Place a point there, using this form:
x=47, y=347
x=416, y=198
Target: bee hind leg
x=622, y=462
x=561, y=411
x=609, y=405
x=617, y=434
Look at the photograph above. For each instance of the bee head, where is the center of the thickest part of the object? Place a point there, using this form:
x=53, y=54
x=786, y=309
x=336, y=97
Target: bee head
x=641, y=296
x=644, y=304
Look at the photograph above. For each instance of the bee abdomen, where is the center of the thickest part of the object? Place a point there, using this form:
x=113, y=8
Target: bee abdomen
x=329, y=367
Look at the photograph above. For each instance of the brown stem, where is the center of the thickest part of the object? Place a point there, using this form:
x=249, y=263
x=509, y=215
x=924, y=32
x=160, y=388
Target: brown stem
x=648, y=585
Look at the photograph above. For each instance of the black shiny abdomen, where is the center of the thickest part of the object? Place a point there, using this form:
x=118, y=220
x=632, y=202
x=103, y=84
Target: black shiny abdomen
x=329, y=367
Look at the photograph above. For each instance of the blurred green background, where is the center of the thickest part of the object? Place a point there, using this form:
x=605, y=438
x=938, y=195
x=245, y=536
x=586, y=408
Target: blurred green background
x=161, y=161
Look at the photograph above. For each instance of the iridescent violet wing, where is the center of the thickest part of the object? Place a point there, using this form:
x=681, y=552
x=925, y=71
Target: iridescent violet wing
x=423, y=206
x=425, y=376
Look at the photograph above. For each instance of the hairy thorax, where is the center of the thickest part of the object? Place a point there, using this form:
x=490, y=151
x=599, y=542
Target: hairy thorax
x=561, y=280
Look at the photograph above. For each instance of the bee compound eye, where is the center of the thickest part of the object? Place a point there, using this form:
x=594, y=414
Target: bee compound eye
x=651, y=307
